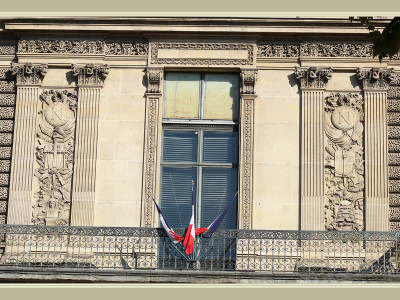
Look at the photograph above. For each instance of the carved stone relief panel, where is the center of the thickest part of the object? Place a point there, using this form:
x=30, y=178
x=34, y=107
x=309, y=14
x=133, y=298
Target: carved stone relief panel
x=202, y=54
x=54, y=157
x=344, y=162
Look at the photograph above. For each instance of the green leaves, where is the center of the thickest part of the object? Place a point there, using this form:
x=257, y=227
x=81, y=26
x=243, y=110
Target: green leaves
x=385, y=43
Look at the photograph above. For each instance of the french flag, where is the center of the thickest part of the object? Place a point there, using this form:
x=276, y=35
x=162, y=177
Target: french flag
x=209, y=231
x=191, y=232
x=172, y=235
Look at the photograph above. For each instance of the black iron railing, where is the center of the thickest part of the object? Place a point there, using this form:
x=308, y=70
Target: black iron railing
x=231, y=250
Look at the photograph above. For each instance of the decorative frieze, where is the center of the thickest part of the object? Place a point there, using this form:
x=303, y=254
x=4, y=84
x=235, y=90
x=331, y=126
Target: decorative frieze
x=344, y=164
x=313, y=77
x=375, y=78
x=228, y=47
x=336, y=50
x=29, y=74
x=276, y=50
x=90, y=74
x=154, y=78
x=61, y=46
x=126, y=48
x=54, y=156
x=8, y=48
x=248, y=79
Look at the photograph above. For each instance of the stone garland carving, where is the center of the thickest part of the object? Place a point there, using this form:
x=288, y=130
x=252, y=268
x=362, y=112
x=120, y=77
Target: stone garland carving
x=375, y=78
x=29, y=73
x=5, y=166
x=275, y=50
x=54, y=155
x=394, y=199
x=247, y=165
x=7, y=112
x=344, y=163
x=5, y=139
x=394, y=214
x=154, y=77
x=151, y=152
x=393, y=131
x=6, y=74
x=61, y=46
x=201, y=46
x=90, y=74
x=3, y=193
x=313, y=77
x=127, y=48
x=248, y=77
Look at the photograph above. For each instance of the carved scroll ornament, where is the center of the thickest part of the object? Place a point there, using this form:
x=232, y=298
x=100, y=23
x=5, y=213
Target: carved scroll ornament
x=376, y=78
x=54, y=156
x=344, y=163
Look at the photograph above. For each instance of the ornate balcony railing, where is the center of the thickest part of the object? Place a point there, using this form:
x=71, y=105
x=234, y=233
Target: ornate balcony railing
x=228, y=250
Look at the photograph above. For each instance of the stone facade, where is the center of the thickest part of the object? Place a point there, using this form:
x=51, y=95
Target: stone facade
x=319, y=120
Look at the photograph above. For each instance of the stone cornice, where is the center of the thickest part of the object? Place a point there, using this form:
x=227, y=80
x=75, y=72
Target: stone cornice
x=313, y=77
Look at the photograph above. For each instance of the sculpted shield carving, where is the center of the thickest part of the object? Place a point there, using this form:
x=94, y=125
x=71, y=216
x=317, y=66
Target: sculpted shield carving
x=344, y=163
x=54, y=156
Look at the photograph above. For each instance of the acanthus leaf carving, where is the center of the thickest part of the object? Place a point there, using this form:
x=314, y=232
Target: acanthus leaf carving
x=375, y=78
x=313, y=77
x=90, y=74
x=114, y=48
x=29, y=74
x=154, y=78
x=248, y=79
x=54, y=157
x=344, y=163
x=61, y=46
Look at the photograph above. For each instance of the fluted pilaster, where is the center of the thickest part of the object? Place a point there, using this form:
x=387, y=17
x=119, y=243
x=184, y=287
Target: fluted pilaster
x=29, y=78
x=375, y=86
x=90, y=82
x=313, y=84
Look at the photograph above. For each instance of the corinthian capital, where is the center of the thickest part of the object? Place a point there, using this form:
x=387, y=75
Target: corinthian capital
x=29, y=74
x=313, y=77
x=91, y=74
x=375, y=78
x=248, y=78
x=154, y=77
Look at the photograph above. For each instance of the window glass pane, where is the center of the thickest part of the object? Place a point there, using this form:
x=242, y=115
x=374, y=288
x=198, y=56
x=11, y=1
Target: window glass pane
x=219, y=185
x=176, y=195
x=220, y=147
x=182, y=94
x=221, y=96
x=180, y=146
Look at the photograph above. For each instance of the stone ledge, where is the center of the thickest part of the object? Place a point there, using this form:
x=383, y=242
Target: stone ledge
x=14, y=274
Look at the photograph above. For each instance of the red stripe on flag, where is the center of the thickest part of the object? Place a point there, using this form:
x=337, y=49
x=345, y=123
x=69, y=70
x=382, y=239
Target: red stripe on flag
x=189, y=240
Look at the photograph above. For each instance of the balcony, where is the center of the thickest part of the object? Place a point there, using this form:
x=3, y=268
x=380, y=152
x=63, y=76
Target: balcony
x=60, y=253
